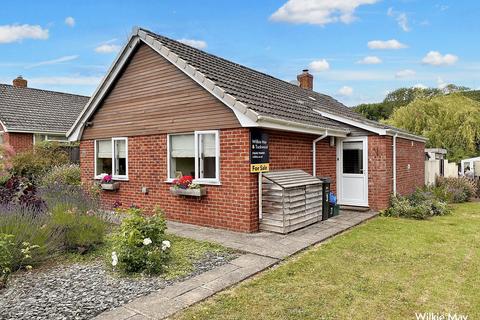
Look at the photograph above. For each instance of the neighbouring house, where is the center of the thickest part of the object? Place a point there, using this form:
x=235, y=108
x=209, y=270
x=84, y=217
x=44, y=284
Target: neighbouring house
x=471, y=163
x=166, y=109
x=29, y=115
x=437, y=165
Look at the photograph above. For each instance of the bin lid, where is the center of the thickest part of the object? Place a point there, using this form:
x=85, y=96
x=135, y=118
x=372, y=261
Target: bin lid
x=291, y=178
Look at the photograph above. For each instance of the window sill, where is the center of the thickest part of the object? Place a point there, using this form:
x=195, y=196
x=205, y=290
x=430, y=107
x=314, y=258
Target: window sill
x=113, y=178
x=200, y=182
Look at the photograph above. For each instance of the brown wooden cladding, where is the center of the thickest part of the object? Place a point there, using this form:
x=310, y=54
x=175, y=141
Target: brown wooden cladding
x=152, y=96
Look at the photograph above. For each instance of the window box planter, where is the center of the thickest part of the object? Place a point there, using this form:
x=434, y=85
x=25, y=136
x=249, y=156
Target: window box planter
x=202, y=191
x=110, y=186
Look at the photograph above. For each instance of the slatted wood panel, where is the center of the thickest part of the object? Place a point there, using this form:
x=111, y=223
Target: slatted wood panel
x=290, y=200
x=152, y=96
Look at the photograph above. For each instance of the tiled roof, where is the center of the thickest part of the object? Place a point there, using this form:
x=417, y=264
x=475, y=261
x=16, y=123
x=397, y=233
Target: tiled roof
x=264, y=94
x=28, y=109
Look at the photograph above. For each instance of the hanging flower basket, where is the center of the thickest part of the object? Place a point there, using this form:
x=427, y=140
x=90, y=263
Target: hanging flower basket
x=184, y=186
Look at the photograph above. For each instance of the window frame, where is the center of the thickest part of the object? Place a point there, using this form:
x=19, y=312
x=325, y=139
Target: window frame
x=112, y=142
x=47, y=138
x=196, y=179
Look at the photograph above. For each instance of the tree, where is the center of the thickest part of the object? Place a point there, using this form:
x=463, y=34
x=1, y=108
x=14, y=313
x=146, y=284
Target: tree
x=394, y=100
x=449, y=121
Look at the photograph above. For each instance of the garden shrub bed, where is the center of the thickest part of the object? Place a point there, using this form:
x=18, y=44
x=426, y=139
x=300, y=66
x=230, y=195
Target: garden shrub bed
x=82, y=286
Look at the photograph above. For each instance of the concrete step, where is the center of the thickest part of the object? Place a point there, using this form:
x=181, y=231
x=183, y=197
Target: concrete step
x=354, y=208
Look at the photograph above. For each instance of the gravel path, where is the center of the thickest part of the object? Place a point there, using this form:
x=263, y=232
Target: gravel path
x=82, y=290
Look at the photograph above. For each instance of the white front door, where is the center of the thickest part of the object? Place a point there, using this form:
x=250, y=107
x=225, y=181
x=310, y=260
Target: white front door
x=352, y=171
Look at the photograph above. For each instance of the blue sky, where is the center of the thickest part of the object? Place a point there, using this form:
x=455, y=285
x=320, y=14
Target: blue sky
x=358, y=50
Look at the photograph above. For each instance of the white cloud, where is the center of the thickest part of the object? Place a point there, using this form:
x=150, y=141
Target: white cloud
x=391, y=44
x=70, y=21
x=16, y=33
x=407, y=73
x=420, y=86
x=319, y=65
x=345, y=91
x=370, y=60
x=54, y=61
x=68, y=80
x=440, y=83
x=107, y=48
x=435, y=58
x=318, y=12
x=199, y=44
x=400, y=17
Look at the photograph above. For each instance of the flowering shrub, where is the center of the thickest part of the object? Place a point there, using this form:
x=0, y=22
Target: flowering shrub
x=80, y=231
x=34, y=164
x=185, y=182
x=67, y=174
x=8, y=253
x=455, y=190
x=18, y=190
x=140, y=244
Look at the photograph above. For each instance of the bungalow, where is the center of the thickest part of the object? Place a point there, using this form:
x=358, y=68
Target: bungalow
x=166, y=109
x=30, y=115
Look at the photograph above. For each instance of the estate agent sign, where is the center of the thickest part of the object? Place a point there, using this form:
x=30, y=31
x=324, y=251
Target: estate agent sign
x=259, y=157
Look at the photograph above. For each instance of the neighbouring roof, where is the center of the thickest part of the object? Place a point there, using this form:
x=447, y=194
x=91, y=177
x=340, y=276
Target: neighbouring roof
x=260, y=97
x=35, y=110
x=436, y=150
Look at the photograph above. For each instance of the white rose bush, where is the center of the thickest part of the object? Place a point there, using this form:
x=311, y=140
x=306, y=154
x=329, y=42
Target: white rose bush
x=140, y=246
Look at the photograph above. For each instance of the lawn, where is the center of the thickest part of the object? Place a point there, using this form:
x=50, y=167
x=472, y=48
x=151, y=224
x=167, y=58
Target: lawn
x=388, y=268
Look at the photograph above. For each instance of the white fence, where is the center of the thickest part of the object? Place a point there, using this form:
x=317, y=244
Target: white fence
x=432, y=170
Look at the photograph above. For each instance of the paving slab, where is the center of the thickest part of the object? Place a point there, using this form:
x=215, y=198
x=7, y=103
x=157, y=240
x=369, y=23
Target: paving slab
x=261, y=251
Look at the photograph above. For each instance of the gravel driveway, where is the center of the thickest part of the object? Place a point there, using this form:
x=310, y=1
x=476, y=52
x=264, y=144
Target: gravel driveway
x=82, y=290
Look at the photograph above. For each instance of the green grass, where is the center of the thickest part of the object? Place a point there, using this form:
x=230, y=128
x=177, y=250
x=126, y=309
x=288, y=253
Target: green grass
x=387, y=268
x=184, y=254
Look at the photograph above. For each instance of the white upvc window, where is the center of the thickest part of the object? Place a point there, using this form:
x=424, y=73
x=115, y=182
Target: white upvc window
x=195, y=154
x=111, y=157
x=39, y=137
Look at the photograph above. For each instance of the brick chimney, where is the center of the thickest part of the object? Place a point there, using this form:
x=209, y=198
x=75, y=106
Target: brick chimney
x=19, y=82
x=305, y=80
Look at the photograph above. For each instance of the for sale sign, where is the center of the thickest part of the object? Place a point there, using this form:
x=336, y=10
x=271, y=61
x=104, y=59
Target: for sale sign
x=259, y=156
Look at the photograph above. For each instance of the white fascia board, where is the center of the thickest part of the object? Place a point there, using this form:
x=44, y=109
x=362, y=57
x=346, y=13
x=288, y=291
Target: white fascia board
x=75, y=131
x=379, y=131
x=4, y=128
x=280, y=124
x=353, y=123
x=407, y=136
x=37, y=131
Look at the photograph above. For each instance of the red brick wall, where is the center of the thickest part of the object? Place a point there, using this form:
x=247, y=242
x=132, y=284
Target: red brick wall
x=233, y=205
x=380, y=173
x=327, y=161
x=410, y=154
x=380, y=168
x=19, y=141
x=290, y=150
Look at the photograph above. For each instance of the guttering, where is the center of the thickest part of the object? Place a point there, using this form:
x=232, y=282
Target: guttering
x=394, y=164
x=36, y=131
x=372, y=128
x=314, y=153
x=275, y=123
